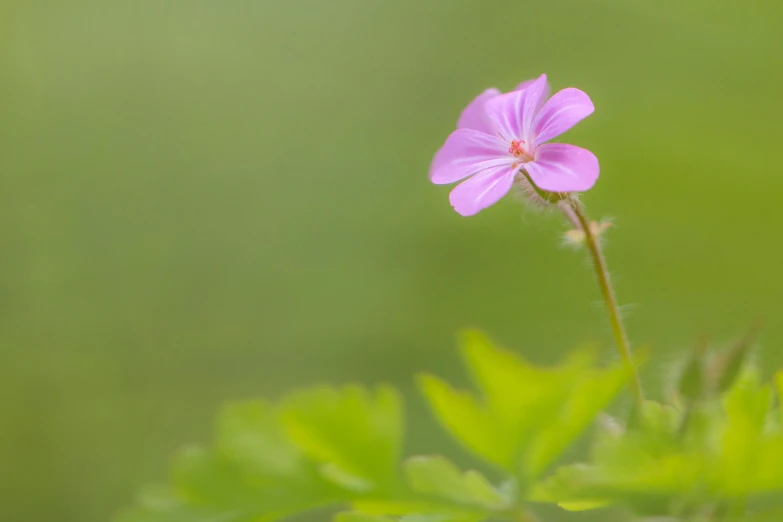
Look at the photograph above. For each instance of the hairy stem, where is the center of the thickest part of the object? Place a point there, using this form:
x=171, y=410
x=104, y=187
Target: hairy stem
x=572, y=209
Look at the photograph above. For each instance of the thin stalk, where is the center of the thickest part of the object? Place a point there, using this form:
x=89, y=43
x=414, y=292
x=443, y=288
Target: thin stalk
x=573, y=210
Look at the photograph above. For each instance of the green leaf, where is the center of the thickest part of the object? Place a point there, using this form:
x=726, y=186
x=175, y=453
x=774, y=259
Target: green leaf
x=728, y=451
x=159, y=503
x=441, y=518
x=356, y=433
x=229, y=487
x=569, y=484
x=400, y=506
x=179, y=513
x=747, y=406
x=437, y=490
x=355, y=516
x=643, y=467
x=590, y=392
x=437, y=476
x=693, y=382
x=468, y=421
x=425, y=510
x=583, y=505
x=252, y=474
x=251, y=433
x=730, y=364
x=525, y=416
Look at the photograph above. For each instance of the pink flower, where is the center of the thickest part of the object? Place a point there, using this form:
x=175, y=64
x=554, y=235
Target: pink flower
x=500, y=134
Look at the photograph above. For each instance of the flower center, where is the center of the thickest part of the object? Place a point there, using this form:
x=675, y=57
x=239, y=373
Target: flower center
x=517, y=149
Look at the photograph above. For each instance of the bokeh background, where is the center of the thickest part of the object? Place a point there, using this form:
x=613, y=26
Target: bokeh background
x=203, y=201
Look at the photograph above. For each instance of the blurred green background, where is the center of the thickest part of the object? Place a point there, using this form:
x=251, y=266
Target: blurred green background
x=203, y=201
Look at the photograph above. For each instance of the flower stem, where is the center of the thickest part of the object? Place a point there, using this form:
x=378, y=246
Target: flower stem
x=573, y=210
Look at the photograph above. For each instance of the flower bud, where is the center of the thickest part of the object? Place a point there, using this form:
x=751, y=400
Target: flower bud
x=577, y=237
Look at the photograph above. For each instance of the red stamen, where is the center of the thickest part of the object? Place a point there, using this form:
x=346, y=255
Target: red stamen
x=516, y=148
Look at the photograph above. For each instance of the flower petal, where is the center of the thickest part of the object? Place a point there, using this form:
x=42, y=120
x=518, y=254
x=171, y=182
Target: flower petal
x=467, y=152
x=528, y=83
x=563, y=110
x=563, y=168
x=475, y=116
x=482, y=190
x=512, y=114
x=525, y=84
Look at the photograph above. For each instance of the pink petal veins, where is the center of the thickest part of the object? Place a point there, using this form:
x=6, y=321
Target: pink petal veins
x=467, y=152
x=512, y=114
x=563, y=110
x=563, y=168
x=475, y=116
x=482, y=190
x=497, y=134
x=544, y=96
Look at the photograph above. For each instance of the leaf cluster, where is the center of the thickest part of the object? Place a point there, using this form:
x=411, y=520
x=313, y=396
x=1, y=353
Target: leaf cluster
x=714, y=454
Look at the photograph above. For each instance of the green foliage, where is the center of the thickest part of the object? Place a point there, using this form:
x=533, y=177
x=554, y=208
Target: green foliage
x=723, y=452
x=525, y=416
x=354, y=516
x=709, y=457
x=436, y=476
x=253, y=472
x=355, y=435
